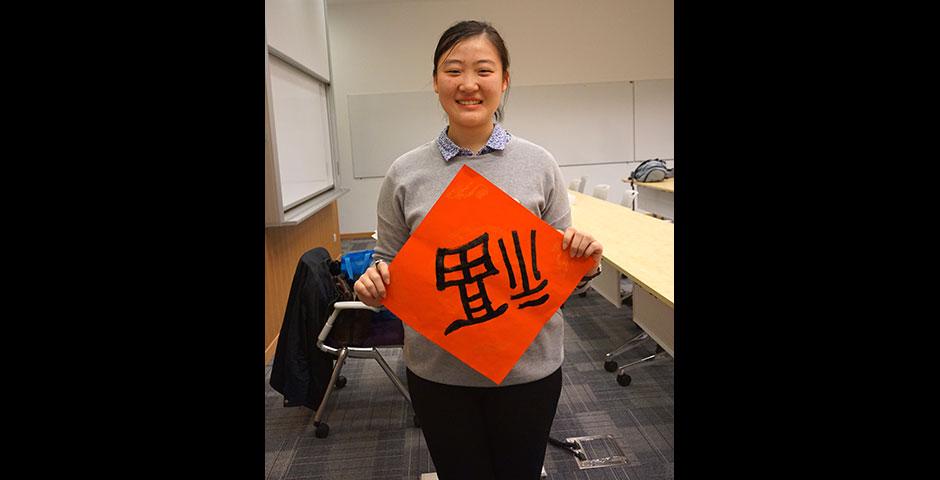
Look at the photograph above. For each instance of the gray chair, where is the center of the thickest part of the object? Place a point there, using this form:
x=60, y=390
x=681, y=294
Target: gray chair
x=626, y=298
x=578, y=184
x=601, y=190
x=629, y=198
x=659, y=355
x=356, y=330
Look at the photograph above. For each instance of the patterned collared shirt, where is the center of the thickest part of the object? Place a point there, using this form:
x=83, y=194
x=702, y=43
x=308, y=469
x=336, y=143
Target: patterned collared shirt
x=498, y=140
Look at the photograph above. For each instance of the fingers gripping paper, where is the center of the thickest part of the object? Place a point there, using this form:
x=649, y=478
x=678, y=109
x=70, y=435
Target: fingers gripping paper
x=481, y=275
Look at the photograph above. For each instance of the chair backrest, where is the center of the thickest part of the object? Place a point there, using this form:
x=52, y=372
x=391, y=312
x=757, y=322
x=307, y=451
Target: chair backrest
x=574, y=184
x=629, y=199
x=358, y=326
x=583, y=183
x=354, y=330
x=601, y=190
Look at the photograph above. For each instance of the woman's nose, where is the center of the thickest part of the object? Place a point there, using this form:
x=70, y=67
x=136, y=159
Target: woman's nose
x=469, y=84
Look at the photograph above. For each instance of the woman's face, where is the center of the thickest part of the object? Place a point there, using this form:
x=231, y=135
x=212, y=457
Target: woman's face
x=470, y=82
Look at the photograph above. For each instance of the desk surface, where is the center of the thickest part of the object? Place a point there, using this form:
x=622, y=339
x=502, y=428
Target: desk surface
x=641, y=246
x=666, y=185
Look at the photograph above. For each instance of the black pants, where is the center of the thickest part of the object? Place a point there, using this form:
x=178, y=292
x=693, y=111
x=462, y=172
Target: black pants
x=480, y=433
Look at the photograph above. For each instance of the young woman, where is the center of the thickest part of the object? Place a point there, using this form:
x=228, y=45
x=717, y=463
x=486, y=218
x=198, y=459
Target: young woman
x=476, y=429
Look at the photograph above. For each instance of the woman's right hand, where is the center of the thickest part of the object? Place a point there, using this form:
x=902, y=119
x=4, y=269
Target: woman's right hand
x=370, y=288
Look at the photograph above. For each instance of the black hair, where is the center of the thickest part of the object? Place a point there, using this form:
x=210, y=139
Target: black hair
x=471, y=28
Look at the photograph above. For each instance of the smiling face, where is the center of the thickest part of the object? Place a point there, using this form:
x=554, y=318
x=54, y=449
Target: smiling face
x=470, y=81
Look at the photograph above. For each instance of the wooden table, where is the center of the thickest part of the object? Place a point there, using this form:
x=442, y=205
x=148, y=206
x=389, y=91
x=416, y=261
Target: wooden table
x=642, y=248
x=655, y=197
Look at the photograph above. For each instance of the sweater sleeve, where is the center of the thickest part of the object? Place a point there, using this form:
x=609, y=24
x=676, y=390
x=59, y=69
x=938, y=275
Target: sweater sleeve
x=557, y=212
x=391, y=229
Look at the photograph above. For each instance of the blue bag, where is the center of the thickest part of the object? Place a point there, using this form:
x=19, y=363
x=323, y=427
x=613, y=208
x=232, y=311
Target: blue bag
x=354, y=264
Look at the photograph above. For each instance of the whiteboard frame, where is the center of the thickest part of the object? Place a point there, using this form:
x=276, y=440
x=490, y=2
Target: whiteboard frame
x=306, y=186
x=301, y=34
x=275, y=212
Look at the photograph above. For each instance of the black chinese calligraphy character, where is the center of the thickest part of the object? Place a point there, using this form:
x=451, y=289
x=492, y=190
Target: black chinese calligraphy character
x=467, y=275
x=526, y=291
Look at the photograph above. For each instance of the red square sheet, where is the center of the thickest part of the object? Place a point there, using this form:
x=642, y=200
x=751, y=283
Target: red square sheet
x=469, y=280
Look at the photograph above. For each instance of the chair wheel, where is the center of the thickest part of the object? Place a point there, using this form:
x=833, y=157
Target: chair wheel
x=417, y=424
x=340, y=382
x=322, y=430
x=610, y=366
x=623, y=379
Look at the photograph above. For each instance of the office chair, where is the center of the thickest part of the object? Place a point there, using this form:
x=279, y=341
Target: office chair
x=659, y=355
x=356, y=330
x=626, y=286
x=626, y=298
x=629, y=198
x=601, y=190
x=578, y=184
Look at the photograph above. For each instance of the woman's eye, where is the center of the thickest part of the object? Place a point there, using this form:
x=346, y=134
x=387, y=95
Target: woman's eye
x=453, y=72
x=485, y=72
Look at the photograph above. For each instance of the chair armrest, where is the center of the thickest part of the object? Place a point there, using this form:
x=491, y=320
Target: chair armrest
x=337, y=308
x=353, y=304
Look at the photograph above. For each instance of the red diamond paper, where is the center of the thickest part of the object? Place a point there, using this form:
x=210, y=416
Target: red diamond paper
x=444, y=297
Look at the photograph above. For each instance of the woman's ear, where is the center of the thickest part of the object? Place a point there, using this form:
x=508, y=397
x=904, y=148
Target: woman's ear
x=505, y=80
x=434, y=77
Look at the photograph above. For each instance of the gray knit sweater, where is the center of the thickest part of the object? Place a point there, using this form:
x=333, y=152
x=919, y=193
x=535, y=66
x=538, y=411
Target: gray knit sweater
x=525, y=171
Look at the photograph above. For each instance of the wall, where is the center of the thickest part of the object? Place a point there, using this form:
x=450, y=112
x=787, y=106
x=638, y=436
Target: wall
x=283, y=247
x=384, y=47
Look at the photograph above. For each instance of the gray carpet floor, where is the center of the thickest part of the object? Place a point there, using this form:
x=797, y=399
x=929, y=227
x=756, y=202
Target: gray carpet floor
x=372, y=437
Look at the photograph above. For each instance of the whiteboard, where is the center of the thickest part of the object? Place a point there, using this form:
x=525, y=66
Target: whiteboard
x=302, y=136
x=382, y=127
x=655, y=119
x=296, y=29
x=580, y=124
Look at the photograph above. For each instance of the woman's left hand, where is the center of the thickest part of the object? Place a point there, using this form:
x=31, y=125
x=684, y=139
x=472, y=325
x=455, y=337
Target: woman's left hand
x=582, y=244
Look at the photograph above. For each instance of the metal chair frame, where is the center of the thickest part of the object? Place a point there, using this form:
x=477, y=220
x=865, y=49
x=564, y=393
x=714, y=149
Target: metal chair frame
x=341, y=354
